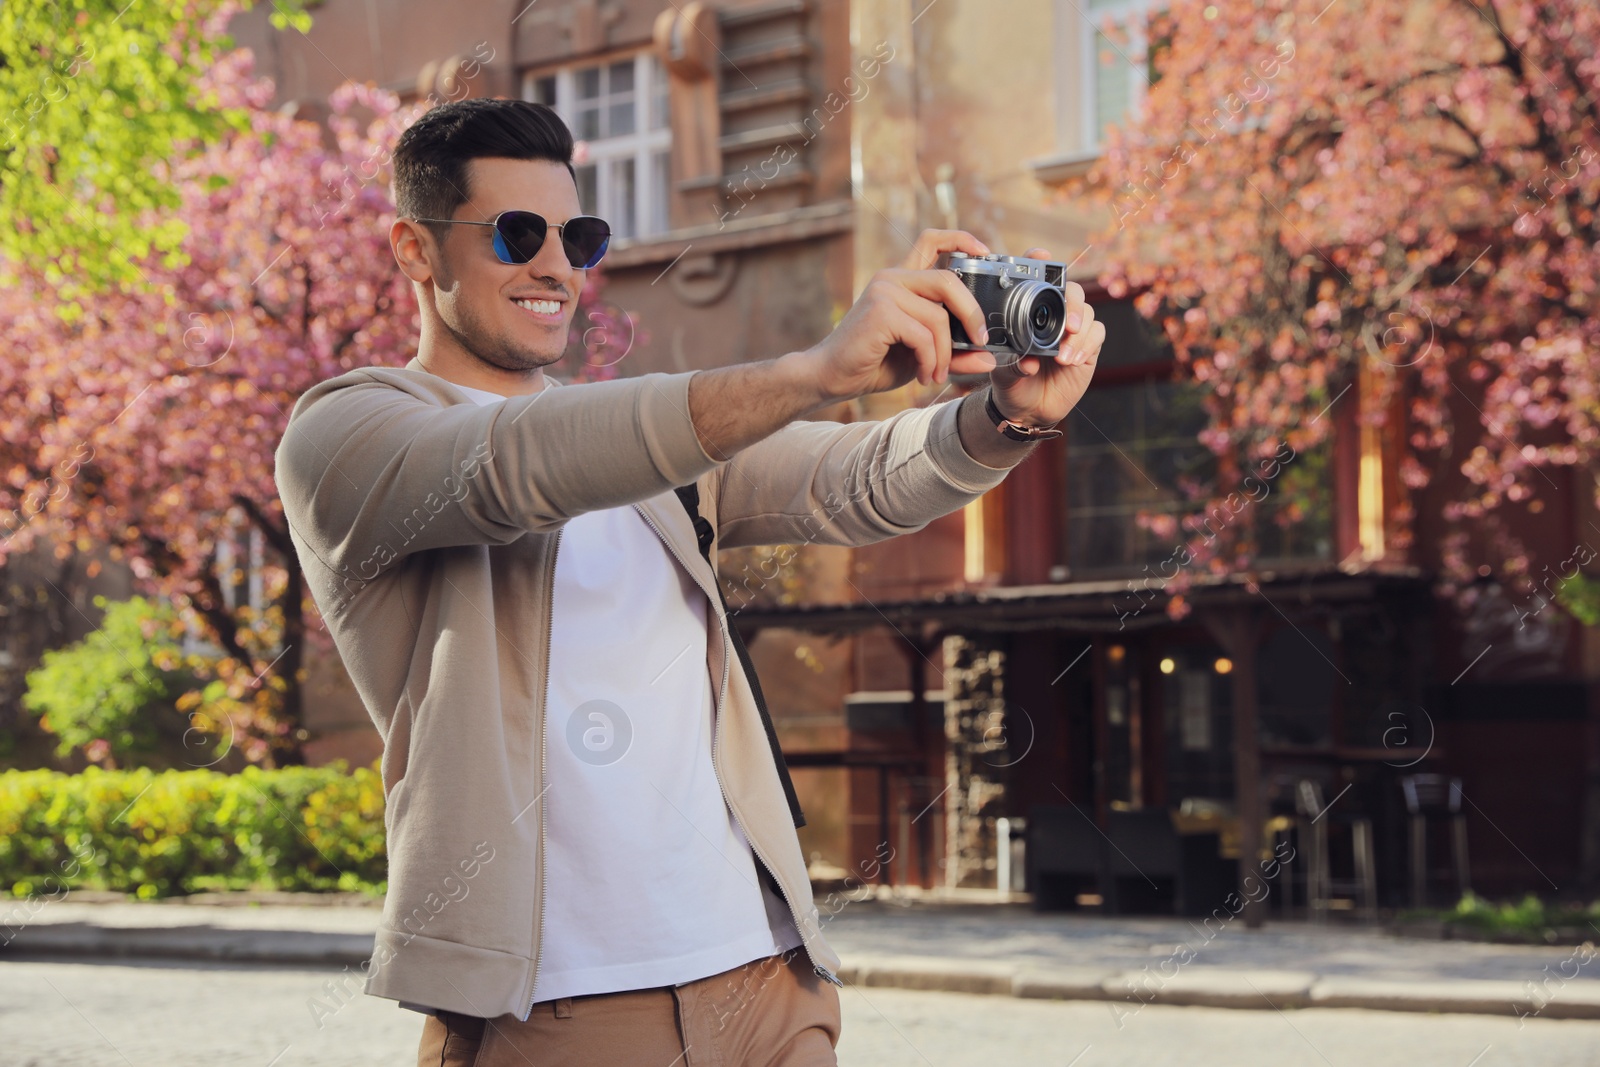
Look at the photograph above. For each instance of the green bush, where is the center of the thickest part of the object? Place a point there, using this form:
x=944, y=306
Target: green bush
x=170, y=833
x=1530, y=919
x=1580, y=595
x=110, y=690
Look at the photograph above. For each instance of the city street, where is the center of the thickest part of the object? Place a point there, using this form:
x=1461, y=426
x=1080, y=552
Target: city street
x=1078, y=523
x=81, y=1014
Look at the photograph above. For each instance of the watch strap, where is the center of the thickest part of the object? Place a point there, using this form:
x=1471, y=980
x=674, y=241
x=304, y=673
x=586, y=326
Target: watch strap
x=1016, y=431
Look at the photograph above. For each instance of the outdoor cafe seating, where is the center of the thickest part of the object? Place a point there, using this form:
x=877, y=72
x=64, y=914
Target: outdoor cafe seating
x=1146, y=860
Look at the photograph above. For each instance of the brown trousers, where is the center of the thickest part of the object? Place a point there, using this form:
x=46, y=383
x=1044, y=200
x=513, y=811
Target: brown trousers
x=772, y=1012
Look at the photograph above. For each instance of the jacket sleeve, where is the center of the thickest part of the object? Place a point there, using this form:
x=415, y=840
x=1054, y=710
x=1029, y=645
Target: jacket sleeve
x=849, y=483
x=369, y=473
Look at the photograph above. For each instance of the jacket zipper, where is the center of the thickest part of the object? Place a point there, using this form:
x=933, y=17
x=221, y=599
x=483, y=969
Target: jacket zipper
x=544, y=770
x=716, y=732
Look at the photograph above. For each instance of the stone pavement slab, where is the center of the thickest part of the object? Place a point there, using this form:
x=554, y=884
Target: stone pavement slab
x=969, y=948
x=1215, y=988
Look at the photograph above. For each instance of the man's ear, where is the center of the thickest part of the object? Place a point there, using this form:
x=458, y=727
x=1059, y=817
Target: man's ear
x=413, y=249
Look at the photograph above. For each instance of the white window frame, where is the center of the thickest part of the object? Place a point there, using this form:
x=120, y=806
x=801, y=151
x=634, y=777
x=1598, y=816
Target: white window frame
x=243, y=548
x=1121, y=13
x=650, y=198
x=240, y=546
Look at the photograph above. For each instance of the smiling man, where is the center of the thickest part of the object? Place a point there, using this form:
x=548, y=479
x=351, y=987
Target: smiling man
x=590, y=828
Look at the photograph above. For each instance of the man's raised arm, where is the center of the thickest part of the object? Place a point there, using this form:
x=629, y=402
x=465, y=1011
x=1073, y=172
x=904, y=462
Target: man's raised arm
x=855, y=483
x=370, y=472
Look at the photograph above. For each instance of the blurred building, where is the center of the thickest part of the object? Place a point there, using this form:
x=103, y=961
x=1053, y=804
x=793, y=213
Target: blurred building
x=759, y=162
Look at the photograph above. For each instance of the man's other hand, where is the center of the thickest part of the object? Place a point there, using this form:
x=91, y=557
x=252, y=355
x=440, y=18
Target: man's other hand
x=1040, y=390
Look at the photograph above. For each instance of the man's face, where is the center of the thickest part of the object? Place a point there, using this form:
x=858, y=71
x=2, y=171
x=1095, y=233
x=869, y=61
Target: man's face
x=477, y=295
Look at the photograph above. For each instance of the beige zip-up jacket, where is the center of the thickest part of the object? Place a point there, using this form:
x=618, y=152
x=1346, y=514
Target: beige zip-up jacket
x=426, y=526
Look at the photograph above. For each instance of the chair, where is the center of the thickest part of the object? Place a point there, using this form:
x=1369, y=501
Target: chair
x=1315, y=817
x=1143, y=847
x=1433, y=796
x=1065, y=855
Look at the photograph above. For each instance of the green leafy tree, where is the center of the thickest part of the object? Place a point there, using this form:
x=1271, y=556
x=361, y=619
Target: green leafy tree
x=95, y=103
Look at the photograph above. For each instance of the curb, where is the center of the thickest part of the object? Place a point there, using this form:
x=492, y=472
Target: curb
x=1243, y=990
x=1123, y=991
x=208, y=943
x=236, y=898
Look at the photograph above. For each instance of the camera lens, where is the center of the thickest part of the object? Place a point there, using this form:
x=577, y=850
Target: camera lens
x=1036, y=316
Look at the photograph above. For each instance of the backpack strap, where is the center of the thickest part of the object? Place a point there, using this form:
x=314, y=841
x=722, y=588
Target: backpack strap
x=689, y=496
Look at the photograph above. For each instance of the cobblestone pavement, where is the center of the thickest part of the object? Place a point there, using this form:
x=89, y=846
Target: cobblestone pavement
x=86, y=1014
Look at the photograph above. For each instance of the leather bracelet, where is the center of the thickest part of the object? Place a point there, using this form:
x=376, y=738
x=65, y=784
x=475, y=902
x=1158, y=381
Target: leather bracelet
x=1016, y=431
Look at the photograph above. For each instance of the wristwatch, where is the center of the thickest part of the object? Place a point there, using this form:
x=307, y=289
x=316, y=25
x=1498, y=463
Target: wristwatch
x=1015, y=431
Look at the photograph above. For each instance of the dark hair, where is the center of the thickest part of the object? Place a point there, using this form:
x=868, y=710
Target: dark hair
x=430, y=161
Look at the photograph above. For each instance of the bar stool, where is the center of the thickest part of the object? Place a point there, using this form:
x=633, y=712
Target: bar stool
x=1320, y=884
x=1280, y=800
x=1435, y=796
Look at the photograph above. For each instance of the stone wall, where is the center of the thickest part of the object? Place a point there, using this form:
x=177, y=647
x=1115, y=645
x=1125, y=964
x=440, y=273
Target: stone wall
x=975, y=758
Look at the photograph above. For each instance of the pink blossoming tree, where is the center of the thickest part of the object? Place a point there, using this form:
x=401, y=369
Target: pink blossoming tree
x=1393, y=196
x=150, y=424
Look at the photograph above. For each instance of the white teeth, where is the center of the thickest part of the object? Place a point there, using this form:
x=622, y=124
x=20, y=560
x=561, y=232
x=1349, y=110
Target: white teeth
x=542, y=307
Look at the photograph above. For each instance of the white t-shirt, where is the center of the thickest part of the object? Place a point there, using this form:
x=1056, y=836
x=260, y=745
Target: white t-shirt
x=648, y=879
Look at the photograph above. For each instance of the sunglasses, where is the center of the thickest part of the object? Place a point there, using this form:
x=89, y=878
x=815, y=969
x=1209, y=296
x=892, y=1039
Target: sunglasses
x=518, y=236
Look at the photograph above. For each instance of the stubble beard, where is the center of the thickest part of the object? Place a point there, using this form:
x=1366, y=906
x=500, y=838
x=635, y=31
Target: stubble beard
x=498, y=350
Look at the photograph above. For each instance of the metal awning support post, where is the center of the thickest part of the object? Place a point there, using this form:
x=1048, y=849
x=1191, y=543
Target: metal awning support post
x=917, y=646
x=1238, y=630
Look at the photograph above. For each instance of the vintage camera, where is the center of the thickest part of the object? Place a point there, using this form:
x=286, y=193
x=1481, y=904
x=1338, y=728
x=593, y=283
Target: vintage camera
x=1023, y=300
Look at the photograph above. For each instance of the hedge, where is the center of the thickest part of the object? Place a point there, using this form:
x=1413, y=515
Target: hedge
x=171, y=833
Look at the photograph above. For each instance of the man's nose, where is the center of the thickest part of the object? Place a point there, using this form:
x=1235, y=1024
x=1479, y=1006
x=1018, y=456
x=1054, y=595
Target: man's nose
x=552, y=262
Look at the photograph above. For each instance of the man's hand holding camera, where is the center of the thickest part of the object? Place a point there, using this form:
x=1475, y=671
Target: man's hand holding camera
x=916, y=322
x=949, y=308
x=1040, y=390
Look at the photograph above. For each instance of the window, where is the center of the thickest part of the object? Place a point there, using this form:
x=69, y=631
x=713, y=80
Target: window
x=1117, y=68
x=1197, y=700
x=239, y=567
x=1132, y=449
x=239, y=563
x=619, y=109
x=1296, y=520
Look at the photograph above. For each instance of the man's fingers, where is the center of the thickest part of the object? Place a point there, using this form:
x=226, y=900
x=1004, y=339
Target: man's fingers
x=1085, y=347
x=1080, y=322
x=930, y=243
x=912, y=338
x=944, y=288
x=973, y=361
x=1082, y=348
x=936, y=321
x=919, y=339
x=1078, y=343
x=1079, y=313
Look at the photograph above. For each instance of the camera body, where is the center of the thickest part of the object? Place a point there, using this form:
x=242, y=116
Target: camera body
x=1023, y=300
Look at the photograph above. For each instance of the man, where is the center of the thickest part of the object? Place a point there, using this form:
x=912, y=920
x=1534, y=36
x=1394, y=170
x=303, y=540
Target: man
x=591, y=835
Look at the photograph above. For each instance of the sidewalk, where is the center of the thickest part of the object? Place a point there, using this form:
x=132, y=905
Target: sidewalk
x=973, y=948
